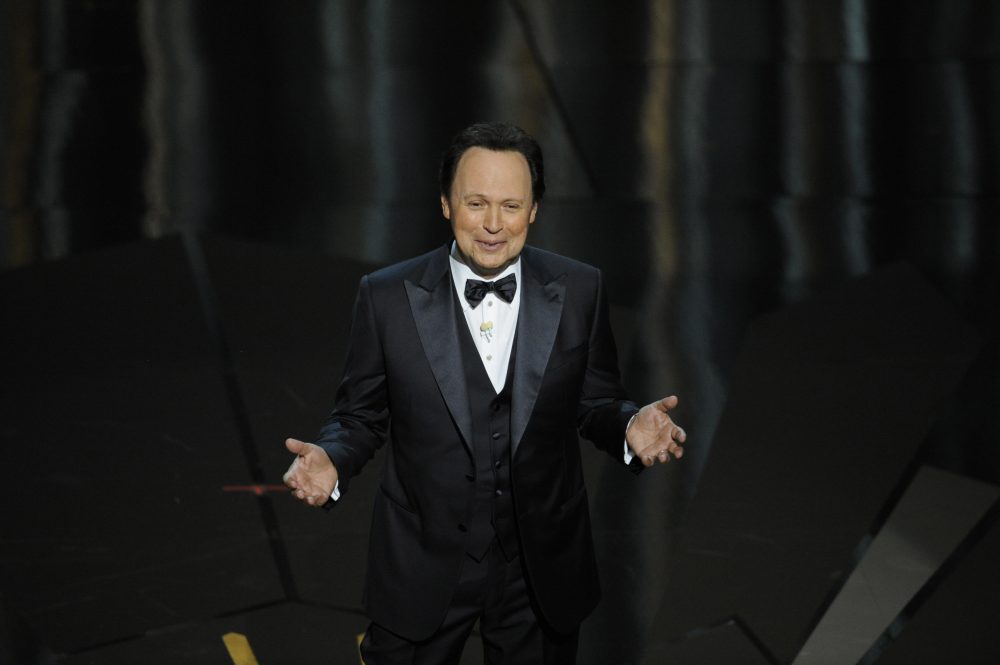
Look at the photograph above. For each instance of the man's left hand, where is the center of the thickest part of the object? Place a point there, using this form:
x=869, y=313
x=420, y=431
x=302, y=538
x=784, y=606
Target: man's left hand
x=653, y=436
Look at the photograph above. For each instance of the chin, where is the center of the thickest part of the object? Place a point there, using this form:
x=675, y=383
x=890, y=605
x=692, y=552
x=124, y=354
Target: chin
x=492, y=266
x=493, y=262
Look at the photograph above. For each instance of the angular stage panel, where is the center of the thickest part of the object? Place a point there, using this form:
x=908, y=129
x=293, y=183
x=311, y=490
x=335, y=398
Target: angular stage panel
x=117, y=435
x=828, y=404
x=934, y=516
x=286, y=315
x=956, y=619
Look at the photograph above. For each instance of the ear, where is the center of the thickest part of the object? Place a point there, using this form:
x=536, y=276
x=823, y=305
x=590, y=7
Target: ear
x=534, y=211
x=445, y=208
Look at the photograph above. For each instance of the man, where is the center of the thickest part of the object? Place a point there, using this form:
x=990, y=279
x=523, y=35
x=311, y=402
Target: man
x=488, y=357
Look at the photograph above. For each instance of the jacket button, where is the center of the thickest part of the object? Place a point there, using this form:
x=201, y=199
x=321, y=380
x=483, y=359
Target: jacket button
x=461, y=527
x=470, y=477
x=499, y=492
x=496, y=465
x=496, y=435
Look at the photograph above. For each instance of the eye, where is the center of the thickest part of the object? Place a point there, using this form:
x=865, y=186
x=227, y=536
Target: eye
x=513, y=207
x=475, y=204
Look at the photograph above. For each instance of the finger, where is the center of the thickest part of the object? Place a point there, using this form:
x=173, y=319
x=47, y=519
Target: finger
x=661, y=452
x=296, y=446
x=670, y=433
x=293, y=478
x=673, y=451
x=305, y=497
x=316, y=500
x=650, y=456
x=678, y=437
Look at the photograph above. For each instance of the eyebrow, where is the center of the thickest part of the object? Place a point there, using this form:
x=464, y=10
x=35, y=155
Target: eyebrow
x=473, y=195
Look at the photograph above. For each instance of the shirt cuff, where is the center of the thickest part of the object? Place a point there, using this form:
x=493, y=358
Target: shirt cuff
x=629, y=456
x=335, y=495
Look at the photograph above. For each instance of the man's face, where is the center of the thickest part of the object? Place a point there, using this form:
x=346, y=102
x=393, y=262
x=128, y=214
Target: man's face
x=490, y=208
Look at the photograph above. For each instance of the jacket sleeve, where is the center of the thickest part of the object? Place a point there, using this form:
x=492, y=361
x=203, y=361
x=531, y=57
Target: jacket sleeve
x=359, y=423
x=604, y=411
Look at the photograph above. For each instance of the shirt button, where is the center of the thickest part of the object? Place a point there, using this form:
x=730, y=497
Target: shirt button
x=489, y=357
x=489, y=303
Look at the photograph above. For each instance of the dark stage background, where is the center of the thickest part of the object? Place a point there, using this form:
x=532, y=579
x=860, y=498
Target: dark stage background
x=795, y=204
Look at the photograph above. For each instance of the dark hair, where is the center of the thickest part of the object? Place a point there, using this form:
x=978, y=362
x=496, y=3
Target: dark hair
x=497, y=136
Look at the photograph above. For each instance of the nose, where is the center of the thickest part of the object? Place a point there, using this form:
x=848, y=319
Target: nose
x=493, y=222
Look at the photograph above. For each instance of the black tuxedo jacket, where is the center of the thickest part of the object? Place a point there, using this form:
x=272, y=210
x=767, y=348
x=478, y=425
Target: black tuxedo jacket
x=404, y=364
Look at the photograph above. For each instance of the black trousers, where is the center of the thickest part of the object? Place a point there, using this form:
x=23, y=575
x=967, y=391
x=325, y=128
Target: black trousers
x=495, y=592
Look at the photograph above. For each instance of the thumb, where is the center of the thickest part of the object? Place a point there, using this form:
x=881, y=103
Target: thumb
x=296, y=446
x=667, y=403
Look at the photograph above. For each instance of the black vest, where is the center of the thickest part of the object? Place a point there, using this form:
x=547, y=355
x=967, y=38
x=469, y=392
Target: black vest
x=493, y=509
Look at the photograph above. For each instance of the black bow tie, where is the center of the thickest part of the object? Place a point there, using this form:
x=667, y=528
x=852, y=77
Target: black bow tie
x=476, y=290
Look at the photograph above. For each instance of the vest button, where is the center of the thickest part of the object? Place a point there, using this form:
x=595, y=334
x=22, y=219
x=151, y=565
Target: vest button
x=461, y=527
x=496, y=465
x=499, y=492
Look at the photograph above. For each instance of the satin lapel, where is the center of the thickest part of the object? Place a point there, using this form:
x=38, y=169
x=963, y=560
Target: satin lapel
x=537, y=322
x=433, y=307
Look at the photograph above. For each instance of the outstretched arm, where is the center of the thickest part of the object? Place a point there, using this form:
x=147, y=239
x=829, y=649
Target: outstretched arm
x=358, y=424
x=650, y=433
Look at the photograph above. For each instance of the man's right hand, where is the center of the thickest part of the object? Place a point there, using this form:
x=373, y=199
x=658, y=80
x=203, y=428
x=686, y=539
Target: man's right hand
x=312, y=476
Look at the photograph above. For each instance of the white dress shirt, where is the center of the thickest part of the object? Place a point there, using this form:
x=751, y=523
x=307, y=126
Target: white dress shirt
x=491, y=323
